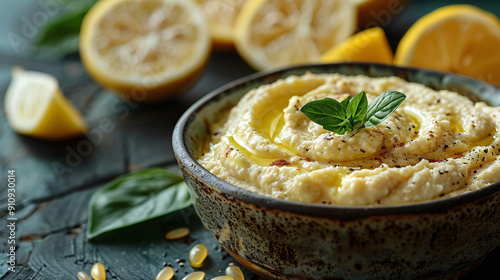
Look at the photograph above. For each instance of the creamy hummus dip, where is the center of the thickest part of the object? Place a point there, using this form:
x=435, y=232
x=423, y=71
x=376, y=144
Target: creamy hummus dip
x=436, y=144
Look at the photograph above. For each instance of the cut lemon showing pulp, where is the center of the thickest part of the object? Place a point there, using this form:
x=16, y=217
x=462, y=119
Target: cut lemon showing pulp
x=369, y=45
x=147, y=50
x=274, y=33
x=35, y=106
x=221, y=16
x=456, y=38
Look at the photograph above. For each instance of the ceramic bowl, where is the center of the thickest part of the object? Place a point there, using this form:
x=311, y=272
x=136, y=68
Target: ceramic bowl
x=280, y=239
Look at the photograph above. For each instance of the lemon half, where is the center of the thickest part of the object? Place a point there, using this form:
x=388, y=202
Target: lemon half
x=456, y=38
x=275, y=33
x=146, y=50
x=221, y=16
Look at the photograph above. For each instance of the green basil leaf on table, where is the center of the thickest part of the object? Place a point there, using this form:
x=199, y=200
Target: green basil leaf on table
x=135, y=198
x=60, y=36
x=382, y=106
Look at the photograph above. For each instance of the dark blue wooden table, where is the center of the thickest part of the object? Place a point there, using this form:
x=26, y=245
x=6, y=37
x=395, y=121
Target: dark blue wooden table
x=55, y=181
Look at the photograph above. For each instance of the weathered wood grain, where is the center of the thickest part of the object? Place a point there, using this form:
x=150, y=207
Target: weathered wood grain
x=55, y=180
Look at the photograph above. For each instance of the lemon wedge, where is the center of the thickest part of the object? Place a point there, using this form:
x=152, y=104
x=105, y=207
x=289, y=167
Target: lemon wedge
x=456, y=38
x=275, y=33
x=221, y=16
x=35, y=106
x=146, y=50
x=369, y=45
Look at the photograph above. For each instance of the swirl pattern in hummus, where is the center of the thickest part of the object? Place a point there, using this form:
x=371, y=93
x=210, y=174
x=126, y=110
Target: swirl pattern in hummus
x=436, y=144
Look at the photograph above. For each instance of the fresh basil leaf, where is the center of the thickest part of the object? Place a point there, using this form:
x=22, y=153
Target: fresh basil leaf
x=352, y=114
x=341, y=130
x=60, y=36
x=345, y=102
x=357, y=108
x=326, y=112
x=61, y=27
x=384, y=105
x=135, y=198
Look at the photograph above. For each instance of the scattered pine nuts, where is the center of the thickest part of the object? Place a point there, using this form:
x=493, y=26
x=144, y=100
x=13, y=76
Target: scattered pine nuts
x=177, y=233
x=98, y=272
x=235, y=272
x=223, y=277
x=197, y=255
x=197, y=275
x=165, y=274
x=83, y=276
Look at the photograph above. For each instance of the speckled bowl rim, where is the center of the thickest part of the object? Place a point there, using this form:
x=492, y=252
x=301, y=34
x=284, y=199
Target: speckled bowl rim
x=191, y=165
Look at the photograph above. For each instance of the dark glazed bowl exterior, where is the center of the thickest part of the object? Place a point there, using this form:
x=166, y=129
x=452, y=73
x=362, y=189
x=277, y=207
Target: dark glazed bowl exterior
x=280, y=239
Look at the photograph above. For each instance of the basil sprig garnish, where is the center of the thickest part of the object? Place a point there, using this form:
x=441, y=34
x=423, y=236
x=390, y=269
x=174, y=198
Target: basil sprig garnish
x=352, y=113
